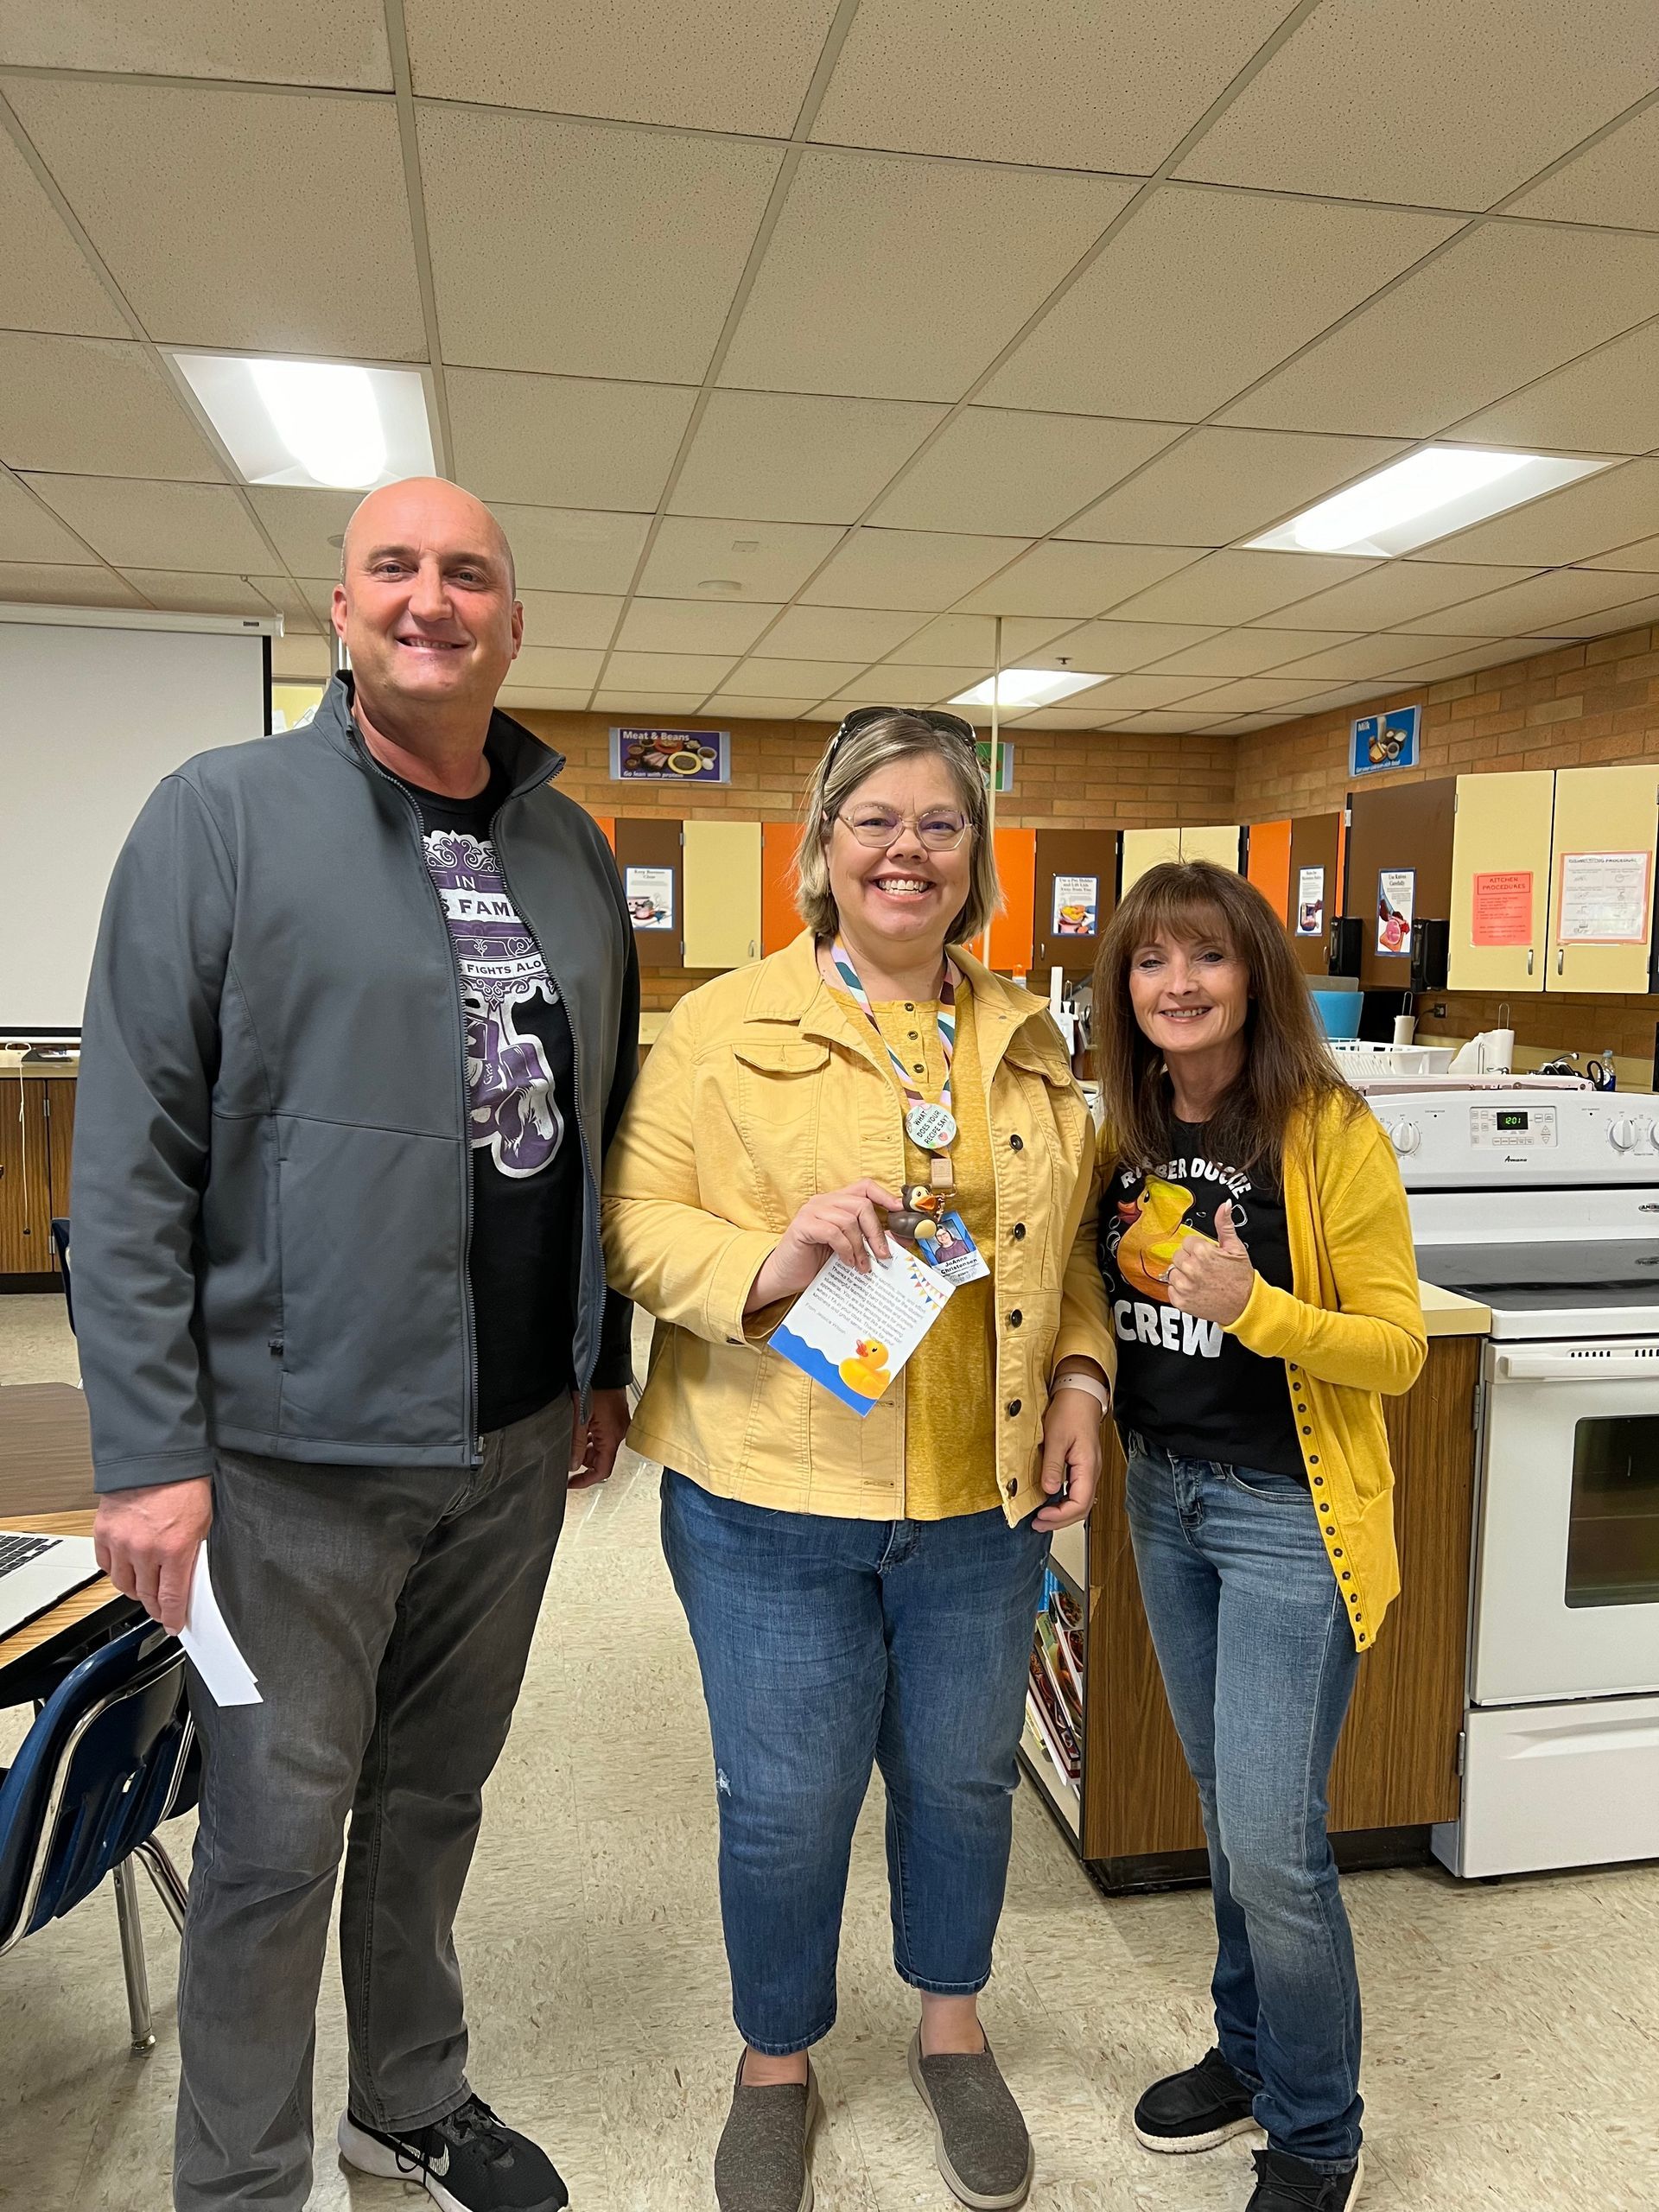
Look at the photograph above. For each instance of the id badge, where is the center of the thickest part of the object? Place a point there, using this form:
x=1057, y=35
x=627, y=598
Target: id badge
x=953, y=1252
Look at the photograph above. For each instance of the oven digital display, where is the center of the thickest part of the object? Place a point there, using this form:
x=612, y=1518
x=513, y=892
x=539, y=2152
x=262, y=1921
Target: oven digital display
x=1511, y=1121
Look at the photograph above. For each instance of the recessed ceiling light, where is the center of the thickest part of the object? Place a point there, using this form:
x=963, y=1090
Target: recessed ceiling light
x=335, y=423
x=1027, y=687
x=1427, y=495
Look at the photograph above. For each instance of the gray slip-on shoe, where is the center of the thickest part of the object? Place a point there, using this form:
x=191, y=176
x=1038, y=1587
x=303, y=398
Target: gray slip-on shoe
x=761, y=2164
x=980, y=2138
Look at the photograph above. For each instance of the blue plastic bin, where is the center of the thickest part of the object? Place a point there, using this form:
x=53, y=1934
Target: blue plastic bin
x=1338, y=1011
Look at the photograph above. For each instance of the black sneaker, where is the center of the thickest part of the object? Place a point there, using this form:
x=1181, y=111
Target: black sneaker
x=466, y=2161
x=1285, y=2184
x=1196, y=2110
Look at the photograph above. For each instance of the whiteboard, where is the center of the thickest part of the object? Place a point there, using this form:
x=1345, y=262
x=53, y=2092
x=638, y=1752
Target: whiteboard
x=90, y=719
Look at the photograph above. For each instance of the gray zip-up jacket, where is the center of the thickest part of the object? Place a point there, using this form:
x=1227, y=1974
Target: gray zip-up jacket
x=272, y=1193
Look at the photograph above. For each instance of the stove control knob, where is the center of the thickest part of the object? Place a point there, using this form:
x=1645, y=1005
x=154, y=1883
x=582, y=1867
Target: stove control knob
x=1622, y=1134
x=1404, y=1136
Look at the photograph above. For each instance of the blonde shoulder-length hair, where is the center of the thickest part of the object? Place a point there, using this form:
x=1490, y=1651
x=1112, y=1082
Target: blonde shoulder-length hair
x=900, y=735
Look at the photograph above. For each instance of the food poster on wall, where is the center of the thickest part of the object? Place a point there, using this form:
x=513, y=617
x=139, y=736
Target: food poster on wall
x=1605, y=898
x=649, y=894
x=1004, y=762
x=1396, y=896
x=670, y=756
x=1077, y=906
x=1310, y=902
x=1385, y=740
x=1500, y=908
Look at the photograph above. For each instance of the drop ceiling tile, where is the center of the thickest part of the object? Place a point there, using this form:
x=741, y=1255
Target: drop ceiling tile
x=766, y=560
x=667, y=672
x=950, y=638
x=1398, y=592
x=992, y=469
x=625, y=246
x=1248, y=691
x=1171, y=722
x=1595, y=515
x=86, y=406
x=38, y=584
x=46, y=282
x=1220, y=485
x=1643, y=554
x=143, y=166
x=1504, y=303
x=568, y=549
x=304, y=43
x=910, y=686
x=199, y=527
x=516, y=698
x=863, y=286
x=1551, y=602
x=565, y=442
x=1200, y=293
x=1491, y=653
x=763, y=709
x=1228, y=587
x=1371, y=99
x=305, y=527
x=1354, y=694
x=859, y=633
x=1126, y=645
x=917, y=74
x=797, y=456
x=290, y=602
x=1606, y=402
x=909, y=567
x=1060, y=577
x=648, y=705
x=827, y=710
x=184, y=593
x=1244, y=653
x=814, y=679
x=569, y=618
x=1243, y=725
x=743, y=66
x=1057, y=718
x=30, y=532
x=1130, y=693
x=1615, y=182
x=560, y=668
x=1368, y=657
x=693, y=625
x=1632, y=616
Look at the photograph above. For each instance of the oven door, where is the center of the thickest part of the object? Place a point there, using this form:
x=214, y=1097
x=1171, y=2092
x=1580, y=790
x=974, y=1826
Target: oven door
x=1567, y=1587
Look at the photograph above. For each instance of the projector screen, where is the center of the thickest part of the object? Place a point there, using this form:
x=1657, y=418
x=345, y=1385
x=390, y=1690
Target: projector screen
x=90, y=719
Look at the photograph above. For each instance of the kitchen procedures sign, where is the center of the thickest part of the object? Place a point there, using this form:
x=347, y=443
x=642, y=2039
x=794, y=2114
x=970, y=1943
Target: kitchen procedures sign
x=1388, y=740
x=650, y=755
x=1310, y=902
x=1397, y=897
x=1500, y=908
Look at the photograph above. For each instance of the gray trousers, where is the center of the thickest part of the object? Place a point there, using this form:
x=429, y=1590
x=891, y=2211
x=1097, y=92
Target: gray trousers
x=387, y=1613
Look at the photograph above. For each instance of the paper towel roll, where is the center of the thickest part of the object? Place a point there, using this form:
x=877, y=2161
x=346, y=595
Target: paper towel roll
x=1405, y=1028
x=1500, y=1051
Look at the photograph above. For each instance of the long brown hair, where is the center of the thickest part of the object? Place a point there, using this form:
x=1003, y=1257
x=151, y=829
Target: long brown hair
x=1287, y=1069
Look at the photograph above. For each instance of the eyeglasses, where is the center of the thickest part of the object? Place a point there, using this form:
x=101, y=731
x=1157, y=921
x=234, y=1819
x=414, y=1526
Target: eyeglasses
x=946, y=725
x=941, y=830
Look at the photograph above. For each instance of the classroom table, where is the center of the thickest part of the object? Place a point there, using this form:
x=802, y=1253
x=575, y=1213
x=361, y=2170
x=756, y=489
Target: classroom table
x=45, y=1483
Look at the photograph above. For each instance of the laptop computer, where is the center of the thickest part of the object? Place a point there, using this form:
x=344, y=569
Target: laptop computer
x=37, y=1570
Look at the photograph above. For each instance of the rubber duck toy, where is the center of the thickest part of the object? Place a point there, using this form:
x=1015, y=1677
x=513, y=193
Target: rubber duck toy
x=1157, y=1230
x=917, y=1219
x=867, y=1371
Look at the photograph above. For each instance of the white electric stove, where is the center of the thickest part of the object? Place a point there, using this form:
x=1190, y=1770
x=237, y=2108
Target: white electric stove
x=1539, y=1197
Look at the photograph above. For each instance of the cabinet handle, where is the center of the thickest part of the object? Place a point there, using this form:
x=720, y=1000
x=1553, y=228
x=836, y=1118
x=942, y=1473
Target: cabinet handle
x=1529, y=960
x=1561, y=959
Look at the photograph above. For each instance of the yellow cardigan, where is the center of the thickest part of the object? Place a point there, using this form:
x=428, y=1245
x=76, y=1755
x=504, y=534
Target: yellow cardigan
x=762, y=1090
x=1351, y=1333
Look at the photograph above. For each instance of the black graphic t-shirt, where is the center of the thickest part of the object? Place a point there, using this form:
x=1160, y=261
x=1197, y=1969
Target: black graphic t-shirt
x=521, y=1074
x=1183, y=1382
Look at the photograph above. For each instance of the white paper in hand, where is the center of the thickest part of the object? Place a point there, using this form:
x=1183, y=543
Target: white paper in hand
x=211, y=1645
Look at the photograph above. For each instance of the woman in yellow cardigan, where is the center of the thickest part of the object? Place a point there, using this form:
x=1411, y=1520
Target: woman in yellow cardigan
x=1257, y=1254
x=863, y=1590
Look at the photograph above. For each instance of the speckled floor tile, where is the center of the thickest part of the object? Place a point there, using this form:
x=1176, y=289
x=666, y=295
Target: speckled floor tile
x=1512, y=2031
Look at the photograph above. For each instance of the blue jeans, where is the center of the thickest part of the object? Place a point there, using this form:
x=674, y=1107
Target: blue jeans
x=1259, y=1663
x=828, y=1646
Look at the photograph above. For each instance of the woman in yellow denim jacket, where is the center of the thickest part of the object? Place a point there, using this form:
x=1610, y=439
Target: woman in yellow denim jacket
x=863, y=1590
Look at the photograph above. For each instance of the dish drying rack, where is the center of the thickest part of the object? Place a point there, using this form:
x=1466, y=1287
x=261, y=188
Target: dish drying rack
x=1359, y=1060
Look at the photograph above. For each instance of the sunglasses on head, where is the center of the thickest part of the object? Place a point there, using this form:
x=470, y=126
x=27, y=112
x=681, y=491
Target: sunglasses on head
x=946, y=725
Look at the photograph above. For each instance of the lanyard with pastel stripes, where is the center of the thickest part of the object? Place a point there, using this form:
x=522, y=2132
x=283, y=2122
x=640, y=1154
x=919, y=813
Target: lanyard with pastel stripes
x=932, y=1128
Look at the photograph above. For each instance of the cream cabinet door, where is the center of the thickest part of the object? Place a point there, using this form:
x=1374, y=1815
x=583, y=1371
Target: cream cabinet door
x=1500, y=881
x=1145, y=849
x=1214, y=842
x=721, y=865
x=1601, y=885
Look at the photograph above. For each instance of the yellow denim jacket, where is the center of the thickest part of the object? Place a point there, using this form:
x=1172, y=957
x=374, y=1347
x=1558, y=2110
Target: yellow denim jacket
x=763, y=1090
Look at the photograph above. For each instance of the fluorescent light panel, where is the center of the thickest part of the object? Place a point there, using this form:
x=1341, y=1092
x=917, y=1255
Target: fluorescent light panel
x=1027, y=687
x=1425, y=496
x=333, y=423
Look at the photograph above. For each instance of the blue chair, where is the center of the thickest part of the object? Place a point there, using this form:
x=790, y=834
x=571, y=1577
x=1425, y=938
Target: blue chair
x=111, y=1754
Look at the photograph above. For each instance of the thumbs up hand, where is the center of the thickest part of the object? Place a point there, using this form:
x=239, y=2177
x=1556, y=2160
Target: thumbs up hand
x=1213, y=1281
